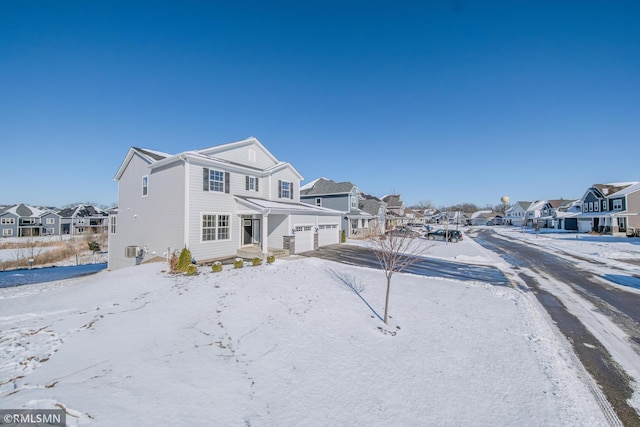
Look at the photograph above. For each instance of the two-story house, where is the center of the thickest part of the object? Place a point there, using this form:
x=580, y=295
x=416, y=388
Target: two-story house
x=610, y=208
x=84, y=219
x=515, y=215
x=554, y=215
x=217, y=202
x=25, y=221
x=341, y=196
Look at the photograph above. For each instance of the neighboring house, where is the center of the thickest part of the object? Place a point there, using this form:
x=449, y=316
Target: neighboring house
x=84, y=219
x=377, y=209
x=515, y=215
x=553, y=211
x=567, y=216
x=483, y=217
x=533, y=212
x=224, y=201
x=452, y=217
x=27, y=221
x=610, y=208
x=395, y=211
x=341, y=196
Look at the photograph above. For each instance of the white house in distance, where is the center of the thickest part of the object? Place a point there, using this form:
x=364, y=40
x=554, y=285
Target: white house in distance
x=218, y=202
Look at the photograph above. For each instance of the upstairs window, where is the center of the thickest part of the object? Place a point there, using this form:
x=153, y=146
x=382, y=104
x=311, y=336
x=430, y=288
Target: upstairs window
x=251, y=183
x=50, y=221
x=285, y=190
x=112, y=224
x=7, y=221
x=215, y=180
x=318, y=201
x=145, y=186
x=617, y=204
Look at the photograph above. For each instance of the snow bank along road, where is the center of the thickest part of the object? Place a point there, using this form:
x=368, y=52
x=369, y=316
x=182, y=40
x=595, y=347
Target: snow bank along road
x=600, y=319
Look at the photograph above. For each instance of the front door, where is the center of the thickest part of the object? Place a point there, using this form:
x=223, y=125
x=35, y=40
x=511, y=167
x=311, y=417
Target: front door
x=251, y=232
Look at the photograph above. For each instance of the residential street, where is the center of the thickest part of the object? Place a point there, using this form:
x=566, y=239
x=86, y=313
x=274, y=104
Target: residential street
x=619, y=306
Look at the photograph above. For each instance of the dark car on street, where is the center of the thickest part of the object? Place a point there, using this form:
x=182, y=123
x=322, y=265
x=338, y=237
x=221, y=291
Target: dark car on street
x=452, y=236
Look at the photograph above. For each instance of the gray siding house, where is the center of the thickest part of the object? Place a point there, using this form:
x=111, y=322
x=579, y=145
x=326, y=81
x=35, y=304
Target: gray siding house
x=83, y=219
x=344, y=197
x=218, y=202
x=26, y=221
x=610, y=208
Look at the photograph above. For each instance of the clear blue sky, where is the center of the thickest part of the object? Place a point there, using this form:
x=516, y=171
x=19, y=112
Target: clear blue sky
x=448, y=101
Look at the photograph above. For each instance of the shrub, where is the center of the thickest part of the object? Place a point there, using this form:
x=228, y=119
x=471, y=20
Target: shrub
x=216, y=267
x=343, y=236
x=173, y=263
x=184, y=259
x=256, y=261
x=238, y=263
x=192, y=269
x=94, y=246
x=271, y=259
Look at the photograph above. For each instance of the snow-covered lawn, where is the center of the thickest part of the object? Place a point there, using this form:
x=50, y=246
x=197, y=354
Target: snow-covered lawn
x=289, y=344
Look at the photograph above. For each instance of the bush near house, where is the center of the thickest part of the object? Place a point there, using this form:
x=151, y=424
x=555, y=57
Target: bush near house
x=256, y=261
x=271, y=259
x=238, y=263
x=192, y=269
x=184, y=260
x=216, y=267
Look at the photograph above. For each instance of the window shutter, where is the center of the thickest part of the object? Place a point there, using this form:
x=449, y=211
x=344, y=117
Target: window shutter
x=291, y=190
x=205, y=179
x=246, y=182
x=279, y=188
x=256, y=184
x=226, y=182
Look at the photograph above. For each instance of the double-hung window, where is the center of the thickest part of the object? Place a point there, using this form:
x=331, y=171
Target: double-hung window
x=251, y=183
x=285, y=190
x=617, y=204
x=215, y=227
x=112, y=224
x=215, y=180
x=145, y=186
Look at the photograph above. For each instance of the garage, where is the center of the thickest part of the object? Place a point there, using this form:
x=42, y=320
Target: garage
x=584, y=225
x=328, y=234
x=304, y=238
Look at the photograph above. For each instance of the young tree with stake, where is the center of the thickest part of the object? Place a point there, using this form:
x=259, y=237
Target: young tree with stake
x=396, y=253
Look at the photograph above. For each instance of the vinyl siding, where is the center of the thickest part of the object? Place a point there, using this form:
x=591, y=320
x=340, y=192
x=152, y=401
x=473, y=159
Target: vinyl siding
x=212, y=202
x=240, y=154
x=279, y=226
x=633, y=205
x=155, y=221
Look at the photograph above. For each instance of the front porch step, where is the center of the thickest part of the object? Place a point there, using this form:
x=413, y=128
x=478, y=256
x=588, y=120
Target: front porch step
x=250, y=253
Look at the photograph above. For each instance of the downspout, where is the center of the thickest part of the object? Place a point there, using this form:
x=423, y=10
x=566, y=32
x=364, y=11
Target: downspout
x=265, y=233
x=187, y=198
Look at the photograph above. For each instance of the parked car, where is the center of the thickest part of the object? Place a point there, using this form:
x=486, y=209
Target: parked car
x=452, y=236
x=403, y=232
x=421, y=228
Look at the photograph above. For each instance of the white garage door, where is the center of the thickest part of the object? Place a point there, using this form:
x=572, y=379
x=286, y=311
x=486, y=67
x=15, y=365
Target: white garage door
x=328, y=234
x=304, y=238
x=584, y=226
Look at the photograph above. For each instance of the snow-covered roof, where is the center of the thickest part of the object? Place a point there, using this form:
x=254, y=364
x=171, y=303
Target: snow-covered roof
x=288, y=208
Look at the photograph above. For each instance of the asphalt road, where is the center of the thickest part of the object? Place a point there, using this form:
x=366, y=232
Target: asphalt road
x=621, y=306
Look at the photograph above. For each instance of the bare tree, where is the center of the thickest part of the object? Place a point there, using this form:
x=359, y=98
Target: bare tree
x=396, y=253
